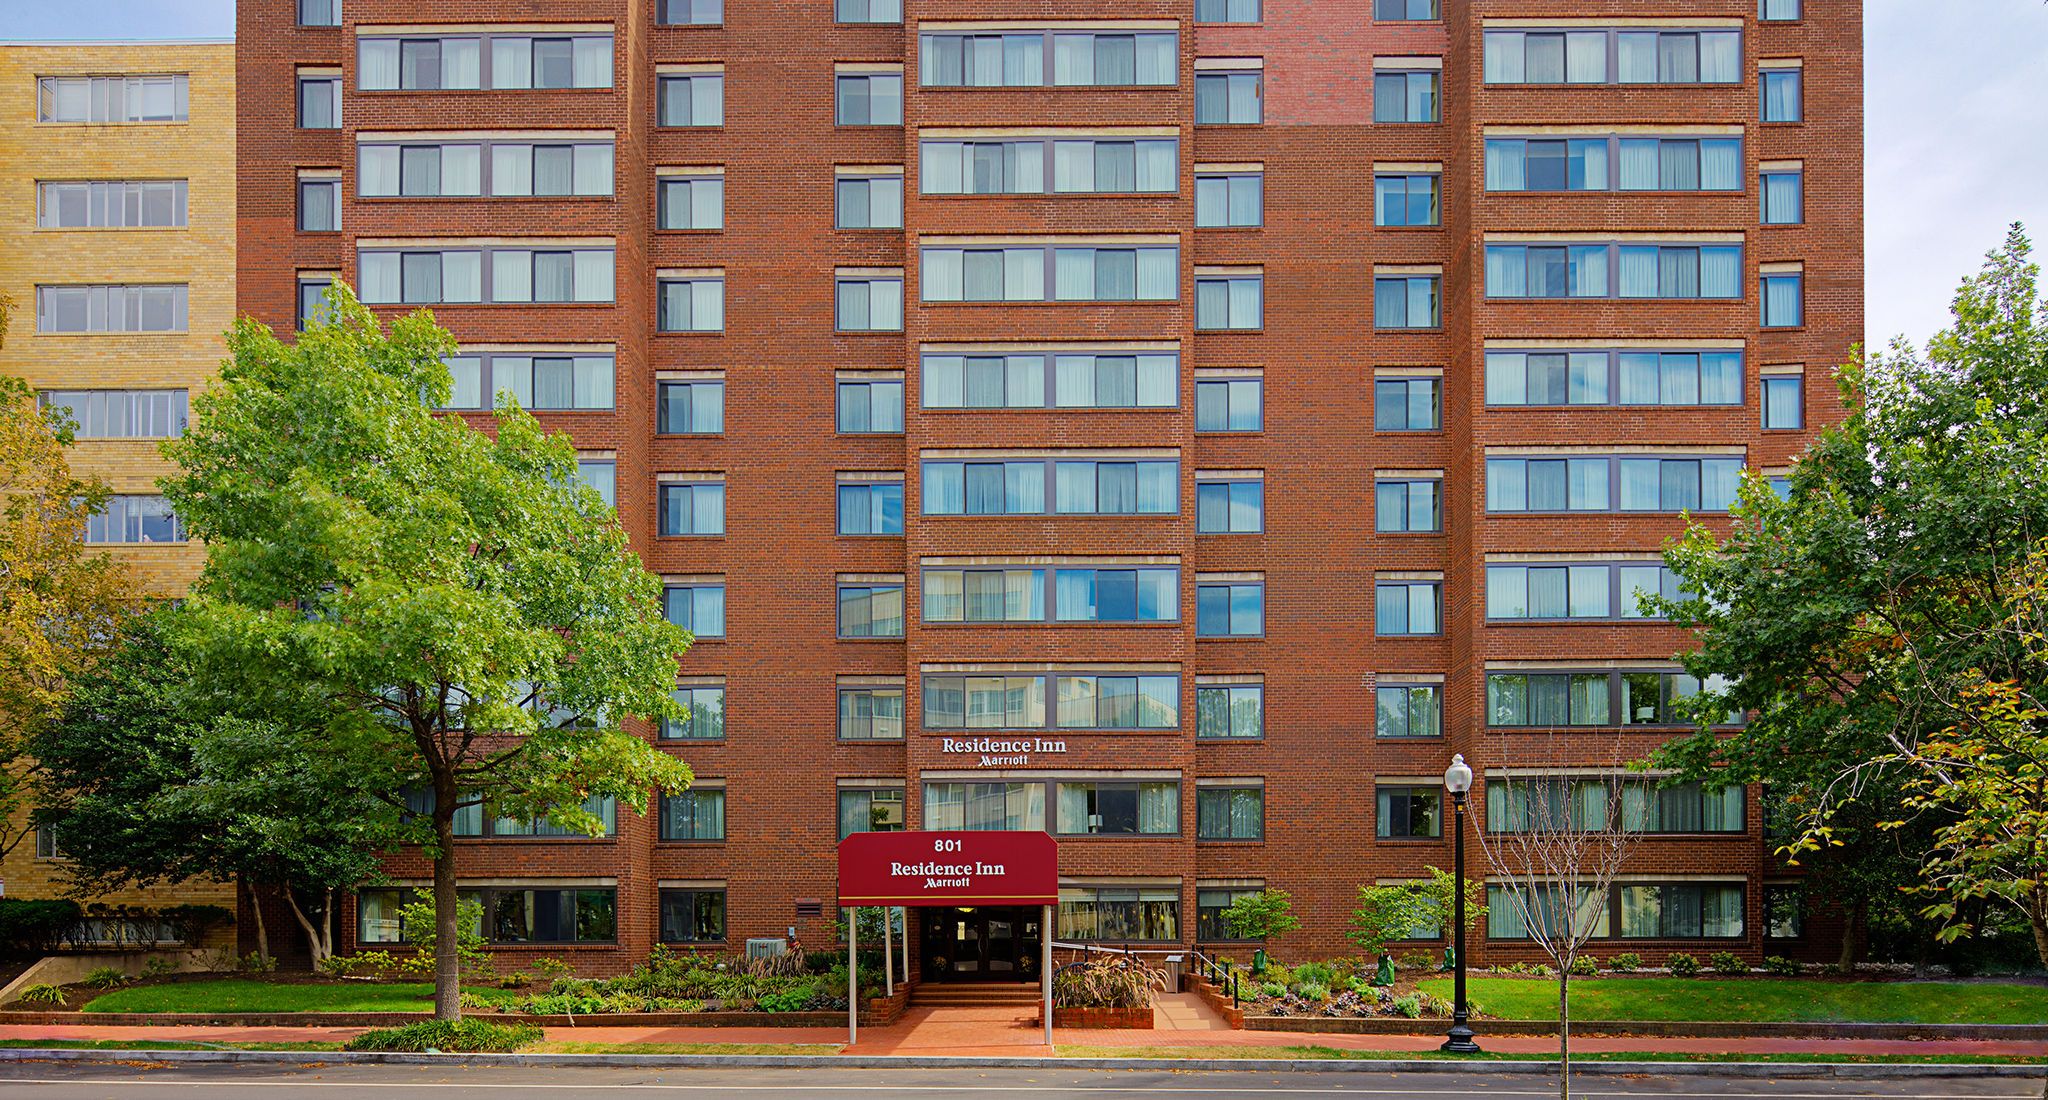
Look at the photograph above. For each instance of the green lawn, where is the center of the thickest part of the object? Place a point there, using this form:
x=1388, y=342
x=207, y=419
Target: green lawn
x=248, y=995
x=1323, y=1053
x=566, y=1046
x=1759, y=1000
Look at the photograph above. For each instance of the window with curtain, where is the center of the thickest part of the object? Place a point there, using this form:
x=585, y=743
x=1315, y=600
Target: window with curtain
x=869, y=99
x=985, y=807
x=319, y=102
x=1230, y=302
x=689, y=408
x=1407, y=404
x=870, y=809
x=697, y=99
x=1547, y=484
x=868, y=304
x=1411, y=301
x=1548, y=699
x=871, y=508
x=1408, y=506
x=1229, y=405
x=869, y=406
x=1784, y=400
x=1230, y=813
x=1230, y=507
x=1385, y=11
x=1109, y=595
x=983, y=702
x=1783, y=197
x=1120, y=915
x=1549, y=591
x=1781, y=95
x=1408, y=710
x=693, y=508
x=705, y=717
x=1782, y=304
x=1116, y=702
x=1224, y=200
x=868, y=11
x=868, y=202
x=1226, y=11
x=871, y=611
x=695, y=915
x=1407, y=607
x=1680, y=911
x=1542, y=164
x=1230, y=710
x=1230, y=610
x=1409, y=813
x=697, y=608
x=695, y=202
x=696, y=814
x=872, y=714
x=1227, y=98
x=1777, y=9
x=690, y=305
x=1407, y=200
x=1119, y=809
x=319, y=206
x=1406, y=97
x=133, y=519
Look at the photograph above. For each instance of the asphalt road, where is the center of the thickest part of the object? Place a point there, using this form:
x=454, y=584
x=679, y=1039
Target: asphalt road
x=58, y=1081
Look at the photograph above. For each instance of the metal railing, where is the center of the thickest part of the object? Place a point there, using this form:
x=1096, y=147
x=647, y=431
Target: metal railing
x=1218, y=972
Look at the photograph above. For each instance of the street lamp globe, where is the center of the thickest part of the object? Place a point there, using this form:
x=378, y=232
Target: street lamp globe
x=1458, y=777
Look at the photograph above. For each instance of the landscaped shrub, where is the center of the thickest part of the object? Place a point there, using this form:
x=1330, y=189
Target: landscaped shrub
x=1782, y=966
x=158, y=967
x=1312, y=991
x=1273, y=989
x=1682, y=965
x=1101, y=985
x=1436, y=1007
x=549, y=968
x=462, y=1036
x=255, y=962
x=1416, y=960
x=34, y=927
x=788, y=1000
x=1313, y=973
x=43, y=994
x=105, y=977
x=1628, y=962
x=1409, y=1006
x=1583, y=966
x=1727, y=962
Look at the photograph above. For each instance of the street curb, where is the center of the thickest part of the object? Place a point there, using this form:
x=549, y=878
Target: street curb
x=1748, y=1070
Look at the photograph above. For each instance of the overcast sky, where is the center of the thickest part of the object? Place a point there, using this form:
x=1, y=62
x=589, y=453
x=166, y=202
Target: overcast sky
x=1957, y=146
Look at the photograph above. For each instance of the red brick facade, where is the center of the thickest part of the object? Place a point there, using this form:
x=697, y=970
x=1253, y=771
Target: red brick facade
x=1318, y=249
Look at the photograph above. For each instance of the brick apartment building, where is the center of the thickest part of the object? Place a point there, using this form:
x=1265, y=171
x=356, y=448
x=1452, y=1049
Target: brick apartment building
x=1179, y=425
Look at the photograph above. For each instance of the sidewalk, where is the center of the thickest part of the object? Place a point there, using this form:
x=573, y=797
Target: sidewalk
x=1181, y=1021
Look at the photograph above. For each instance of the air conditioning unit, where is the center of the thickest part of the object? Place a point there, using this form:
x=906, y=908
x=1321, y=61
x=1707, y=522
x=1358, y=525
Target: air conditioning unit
x=767, y=948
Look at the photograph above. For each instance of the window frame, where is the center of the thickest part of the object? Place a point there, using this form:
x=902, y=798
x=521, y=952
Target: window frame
x=1048, y=700
x=690, y=896
x=1229, y=688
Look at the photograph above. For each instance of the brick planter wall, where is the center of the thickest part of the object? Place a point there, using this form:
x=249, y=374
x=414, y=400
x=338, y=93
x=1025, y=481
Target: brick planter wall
x=1140, y=1018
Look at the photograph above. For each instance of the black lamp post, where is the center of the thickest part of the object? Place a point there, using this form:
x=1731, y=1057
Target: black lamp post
x=1458, y=781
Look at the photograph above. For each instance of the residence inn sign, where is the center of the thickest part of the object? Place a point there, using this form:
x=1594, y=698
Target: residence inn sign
x=949, y=868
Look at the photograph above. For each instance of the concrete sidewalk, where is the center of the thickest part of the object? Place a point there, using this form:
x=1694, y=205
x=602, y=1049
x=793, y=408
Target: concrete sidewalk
x=1181, y=1021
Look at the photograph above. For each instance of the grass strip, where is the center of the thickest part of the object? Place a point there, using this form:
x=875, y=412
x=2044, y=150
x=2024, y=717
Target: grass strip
x=1759, y=1000
x=1339, y=1054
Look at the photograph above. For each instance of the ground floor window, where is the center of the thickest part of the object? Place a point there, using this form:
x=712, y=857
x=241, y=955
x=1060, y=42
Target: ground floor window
x=694, y=915
x=1115, y=914
x=1633, y=910
x=511, y=914
x=1210, y=902
x=1784, y=911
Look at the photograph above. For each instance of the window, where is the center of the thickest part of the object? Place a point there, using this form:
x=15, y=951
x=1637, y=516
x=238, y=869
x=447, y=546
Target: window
x=1782, y=300
x=1577, y=591
x=135, y=519
x=1590, y=698
x=1583, y=484
x=985, y=807
x=870, y=810
x=696, y=508
x=1229, y=404
x=430, y=276
x=1640, y=57
x=115, y=204
x=1549, y=906
x=1678, y=484
x=46, y=843
x=1025, y=59
x=697, y=608
x=1407, y=404
x=1230, y=711
x=871, y=508
x=120, y=414
x=1234, y=507
x=1784, y=402
x=1099, y=595
x=1020, y=380
x=1409, y=813
x=872, y=714
x=1083, y=701
x=870, y=406
x=869, y=99
x=1645, y=271
x=1784, y=911
x=1230, y=610
x=602, y=476
x=871, y=610
x=1023, y=487
x=485, y=61
x=1781, y=95
x=1782, y=193
x=1408, y=710
x=319, y=13
x=692, y=13
x=1229, y=98
x=1406, y=96
x=1210, y=904
x=1404, y=10
x=319, y=102
x=110, y=308
x=1073, y=274
x=115, y=99
x=1407, y=607
x=868, y=11
x=695, y=814
x=1407, y=301
x=689, y=408
x=691, y=202
x=1618, y=377
x=706, y=720
x=692, y=304
x=319, y=205
x=537, y=382
x=696, y=99
x=694, y=915
x=1149, y=914
x=1777, y=9
x=1680, y=911
x=868, y=202
x=427, y=171
x=1662, y=698
x=520, y=168
x=1229, y=199
x=1119, y=809
x=510, y=914
x=868, y=303
x=1413, y=506
x=1230, y=813
x=1560, y=164
x=1407, y=200
x=1225, y=302
x=313, y=301
x=1226, y=11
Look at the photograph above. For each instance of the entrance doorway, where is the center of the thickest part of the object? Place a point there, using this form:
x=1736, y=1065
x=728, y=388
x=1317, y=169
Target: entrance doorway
x=981, y=944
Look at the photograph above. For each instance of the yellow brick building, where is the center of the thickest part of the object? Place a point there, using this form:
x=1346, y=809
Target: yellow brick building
x=117, y=248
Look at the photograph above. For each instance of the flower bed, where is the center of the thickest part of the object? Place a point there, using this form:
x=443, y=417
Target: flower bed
x=669, y=983
x=1337, y=989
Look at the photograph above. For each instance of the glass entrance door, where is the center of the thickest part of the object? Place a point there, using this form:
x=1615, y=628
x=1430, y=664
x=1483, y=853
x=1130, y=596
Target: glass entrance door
x=981, y=944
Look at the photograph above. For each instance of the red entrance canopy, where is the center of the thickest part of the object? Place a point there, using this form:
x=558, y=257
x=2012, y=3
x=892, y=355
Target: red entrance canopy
x=929, y=869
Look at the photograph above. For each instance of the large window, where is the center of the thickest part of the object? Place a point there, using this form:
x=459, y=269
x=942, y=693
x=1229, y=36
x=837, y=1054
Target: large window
x=536, y=382
x=1679, y=911
x=1643, y=164
x=871, y=610
x=1071, y=487
x=1613, y=378
x=1413, y=506
x=1210, y=904
x=869, y=406
x=868, y=99
x=1526, y=699
x=692, y=99
x=116, y=99
x=1642, y=271
x=694, y=915
x=134, y=519
x=1230, y=813
x=1407, y=301
x=1229, y=199
x=985, y=807
x=868, y=303
x=111, y=204
x=697, y=608
x=121, y=414
x=1590, y=591
x=511, y=914
x=1413, y=199
x=871, y=508
x=1230, y=609
x=499, y=273
x=1229, y=98
x=1148, y=914
x=1409, y=813
x=1407, y=97
x=1408, y=607
x=1601, y=484
x=867, y=201
x=705, y=704
x=1080, y=701
x=1118, y=809
x=1579, y=56
x=695, y=814
x=1225, y=302
x=1230, y=711
x=1518, y=805
x=1103, y=594
x=693, y=508
x=1026, y=59
x=1022, y=380
x=870, y=713
x=1034, y=166
x=1038, y=273
x=689, y=408
x=690, y=304
x=870, y=810
x=1236, y=506
x=505, y=61
x=1408, y=710
x=110, y=308
x=1229, y=404
x=456, y=169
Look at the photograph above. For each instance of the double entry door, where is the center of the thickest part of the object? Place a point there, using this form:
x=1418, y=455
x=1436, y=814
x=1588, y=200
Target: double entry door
x=981, y=944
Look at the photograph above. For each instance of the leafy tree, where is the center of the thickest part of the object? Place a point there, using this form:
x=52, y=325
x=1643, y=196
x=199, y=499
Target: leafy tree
x=464, y=619
x=1390, y=913
x=1259, y=916
x=1846, y=617
x=59, y=600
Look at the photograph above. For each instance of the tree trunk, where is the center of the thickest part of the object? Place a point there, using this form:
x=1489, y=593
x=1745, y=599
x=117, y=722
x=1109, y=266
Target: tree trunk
x=1853, y=926
x=447, y=921
x=2037, y=918
x=320, y=940
x=262, y=933
x=1564, y=1029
